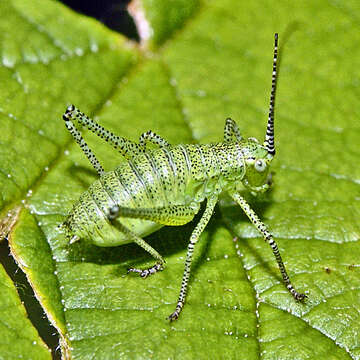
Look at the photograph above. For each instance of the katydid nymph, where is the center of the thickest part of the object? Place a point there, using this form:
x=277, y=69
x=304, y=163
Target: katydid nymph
x=166, y=185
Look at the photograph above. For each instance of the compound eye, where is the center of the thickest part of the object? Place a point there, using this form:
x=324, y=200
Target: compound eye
x=260, y=165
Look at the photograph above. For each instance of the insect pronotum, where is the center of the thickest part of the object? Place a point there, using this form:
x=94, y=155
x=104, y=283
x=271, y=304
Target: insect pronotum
x=165, y=186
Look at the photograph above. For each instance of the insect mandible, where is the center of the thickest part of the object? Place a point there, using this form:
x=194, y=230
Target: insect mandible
x=166, y=185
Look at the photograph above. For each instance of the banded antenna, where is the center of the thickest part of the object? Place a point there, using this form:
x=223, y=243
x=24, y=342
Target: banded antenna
x=269, y=138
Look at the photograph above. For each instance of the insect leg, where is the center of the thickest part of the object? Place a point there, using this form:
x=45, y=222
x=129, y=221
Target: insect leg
x=211, y=202
x=160, y=262
x=84, y=146
x=231, y=131
x=150, y=136
x=127, y=148
x=170, y=215
x=269, y=238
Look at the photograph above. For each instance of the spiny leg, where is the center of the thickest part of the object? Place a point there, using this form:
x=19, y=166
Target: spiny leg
x=231, y=131
x=172, y=215
x=269, y=238
x=160, y=262
x=150, y=136
x=127, y=148
x=84, y=146
x=211, y=202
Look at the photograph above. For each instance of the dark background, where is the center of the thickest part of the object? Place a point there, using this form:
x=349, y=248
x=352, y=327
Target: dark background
x=111, y=13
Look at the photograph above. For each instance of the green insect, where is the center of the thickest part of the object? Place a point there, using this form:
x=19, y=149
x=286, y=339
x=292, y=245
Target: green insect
x=166, y=185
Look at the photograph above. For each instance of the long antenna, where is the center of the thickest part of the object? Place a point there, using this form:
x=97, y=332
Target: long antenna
x=269, y=138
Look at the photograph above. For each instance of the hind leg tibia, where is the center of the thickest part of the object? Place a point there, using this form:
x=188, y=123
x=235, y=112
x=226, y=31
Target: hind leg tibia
x=160, y=262
x=127, y=148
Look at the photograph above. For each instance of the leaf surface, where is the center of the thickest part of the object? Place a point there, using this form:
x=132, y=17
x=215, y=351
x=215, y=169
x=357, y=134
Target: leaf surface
x=211, y=62
x=19, y=339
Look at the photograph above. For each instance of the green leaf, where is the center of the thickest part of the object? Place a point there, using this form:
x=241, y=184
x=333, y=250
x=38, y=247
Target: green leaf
x=209, y=61
x=159, y=20
x=18, y=337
